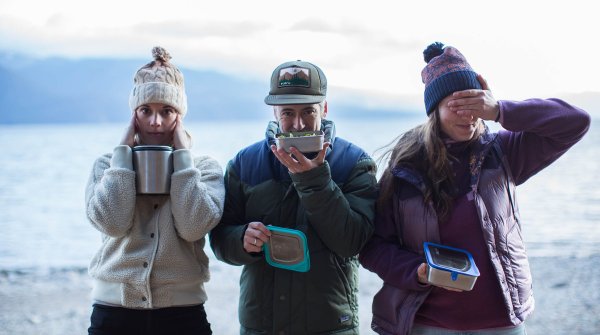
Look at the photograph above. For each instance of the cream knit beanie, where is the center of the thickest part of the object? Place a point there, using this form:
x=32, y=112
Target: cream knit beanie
x=159, y=82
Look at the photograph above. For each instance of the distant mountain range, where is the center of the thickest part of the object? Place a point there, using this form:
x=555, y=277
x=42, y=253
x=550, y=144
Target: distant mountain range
x=62, y=90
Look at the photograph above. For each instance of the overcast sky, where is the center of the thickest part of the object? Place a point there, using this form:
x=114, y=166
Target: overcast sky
x=523, y=48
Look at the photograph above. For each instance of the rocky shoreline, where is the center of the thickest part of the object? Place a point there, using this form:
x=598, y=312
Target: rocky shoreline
x=567, y=292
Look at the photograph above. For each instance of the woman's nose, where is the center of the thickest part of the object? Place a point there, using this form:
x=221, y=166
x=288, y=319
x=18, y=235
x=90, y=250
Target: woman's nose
x=156, y=120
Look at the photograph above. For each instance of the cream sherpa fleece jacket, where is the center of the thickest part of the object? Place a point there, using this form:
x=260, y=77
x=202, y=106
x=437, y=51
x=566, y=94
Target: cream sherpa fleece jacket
x=152, y=245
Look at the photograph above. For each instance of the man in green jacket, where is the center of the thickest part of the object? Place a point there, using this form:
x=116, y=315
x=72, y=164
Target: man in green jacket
x=328, y=195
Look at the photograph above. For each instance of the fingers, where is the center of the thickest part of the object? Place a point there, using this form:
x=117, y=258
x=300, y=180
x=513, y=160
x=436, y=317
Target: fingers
x=299, y=157
x=466, y=101
x=422, y=273
x=475, y=103
x=469, y=107
x=256, y=236
x=472, y=103
x=471, y=93
x=467, y=104
x=284, y=157
x=259, y=226
x=181, y=139
x=289, y=161
x=134, y=121
x=321, y=156
x=129, y=135
x=179, y=123
x=295, y=160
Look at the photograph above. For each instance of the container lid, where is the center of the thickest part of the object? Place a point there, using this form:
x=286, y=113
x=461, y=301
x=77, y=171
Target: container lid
x=152, y=148
x=450, y=259
x=287, y=249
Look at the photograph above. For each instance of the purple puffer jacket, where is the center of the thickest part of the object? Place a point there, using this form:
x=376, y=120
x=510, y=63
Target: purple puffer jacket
x=537, y=133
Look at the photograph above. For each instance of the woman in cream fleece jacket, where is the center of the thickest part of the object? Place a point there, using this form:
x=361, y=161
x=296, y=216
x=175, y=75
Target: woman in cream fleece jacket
x=150, y=271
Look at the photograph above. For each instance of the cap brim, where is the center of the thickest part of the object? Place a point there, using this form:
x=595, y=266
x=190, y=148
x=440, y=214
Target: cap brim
x=293, y=99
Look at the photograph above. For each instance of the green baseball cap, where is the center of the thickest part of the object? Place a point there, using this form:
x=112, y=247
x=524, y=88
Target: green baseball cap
x=296, y=83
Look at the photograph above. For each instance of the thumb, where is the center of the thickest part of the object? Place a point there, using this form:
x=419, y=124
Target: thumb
x=321, y=155
x=422, y=273
x=483, y=82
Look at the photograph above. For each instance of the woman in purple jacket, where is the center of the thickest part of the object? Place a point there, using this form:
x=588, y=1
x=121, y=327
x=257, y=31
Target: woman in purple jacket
x=450, y=181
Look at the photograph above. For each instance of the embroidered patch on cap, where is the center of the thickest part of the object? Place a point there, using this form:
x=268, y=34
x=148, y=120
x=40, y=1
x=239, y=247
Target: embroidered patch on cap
x=294, y=77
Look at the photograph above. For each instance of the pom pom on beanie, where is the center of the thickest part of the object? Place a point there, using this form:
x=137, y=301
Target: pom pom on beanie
x=159, y=81
x=446, y=72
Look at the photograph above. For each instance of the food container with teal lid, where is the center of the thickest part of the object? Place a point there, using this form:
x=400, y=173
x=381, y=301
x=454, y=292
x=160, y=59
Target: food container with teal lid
x=287, y=249
x=450, y=267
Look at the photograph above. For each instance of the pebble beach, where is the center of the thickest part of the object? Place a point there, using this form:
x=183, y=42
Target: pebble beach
x=567, y=293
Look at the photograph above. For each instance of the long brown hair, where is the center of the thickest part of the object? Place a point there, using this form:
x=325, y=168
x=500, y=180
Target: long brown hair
x=422, y=149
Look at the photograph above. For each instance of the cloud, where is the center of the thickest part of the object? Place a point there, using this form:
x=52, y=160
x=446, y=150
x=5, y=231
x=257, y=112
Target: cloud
x=187, y=29
x=369, y=47
x=312, y=25
x=359, y=35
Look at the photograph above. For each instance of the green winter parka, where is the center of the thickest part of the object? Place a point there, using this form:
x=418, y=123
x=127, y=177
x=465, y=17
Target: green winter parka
x=334, y=205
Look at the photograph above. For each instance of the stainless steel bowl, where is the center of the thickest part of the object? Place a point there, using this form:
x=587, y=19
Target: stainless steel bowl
x=304, y=141
x=153, y=165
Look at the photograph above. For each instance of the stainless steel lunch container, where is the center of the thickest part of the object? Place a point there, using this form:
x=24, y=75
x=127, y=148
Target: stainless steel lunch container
x=450, y=267
x=153, y=165
x=304, y=141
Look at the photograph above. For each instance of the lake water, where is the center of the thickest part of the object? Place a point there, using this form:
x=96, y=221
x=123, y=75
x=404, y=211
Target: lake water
x=44, y=169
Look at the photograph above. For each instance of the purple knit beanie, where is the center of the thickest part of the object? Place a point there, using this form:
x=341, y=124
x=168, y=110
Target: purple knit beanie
x=446, y=72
